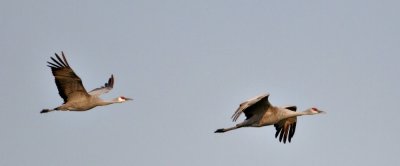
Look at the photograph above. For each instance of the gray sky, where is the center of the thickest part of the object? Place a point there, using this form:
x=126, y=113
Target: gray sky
x=188, y=65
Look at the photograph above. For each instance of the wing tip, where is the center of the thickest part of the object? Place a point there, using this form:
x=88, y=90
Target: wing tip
x=60, y=62
x=112, y=81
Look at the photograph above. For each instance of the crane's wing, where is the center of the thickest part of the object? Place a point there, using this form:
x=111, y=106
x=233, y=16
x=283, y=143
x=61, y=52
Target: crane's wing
x=286, y=127
x=251, y=106
x=104, y=89
x=68, y=83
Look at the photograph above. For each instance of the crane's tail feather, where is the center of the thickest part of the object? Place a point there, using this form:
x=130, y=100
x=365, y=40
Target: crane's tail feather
x=46, y=111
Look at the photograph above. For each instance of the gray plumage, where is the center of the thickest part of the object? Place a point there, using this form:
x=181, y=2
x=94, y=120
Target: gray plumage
x=71, y=89
x=259, y=112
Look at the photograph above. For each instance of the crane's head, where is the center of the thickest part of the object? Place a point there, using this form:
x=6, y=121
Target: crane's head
x=122, y=99
x=314, y=110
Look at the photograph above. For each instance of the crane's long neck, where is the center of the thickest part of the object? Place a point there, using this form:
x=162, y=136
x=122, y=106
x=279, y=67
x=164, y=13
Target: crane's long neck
x=289, y=114
x=112, y=101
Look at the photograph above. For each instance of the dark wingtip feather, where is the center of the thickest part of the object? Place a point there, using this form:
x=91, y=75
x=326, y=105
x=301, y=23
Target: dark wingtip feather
x=290, y=133
x=52, y=65
x=277, y=132
x=65, y=59
x=111, y=81
x=55, y=61
x=292, y=130
x=285, y=136
x=280, y=136
x=61, y=61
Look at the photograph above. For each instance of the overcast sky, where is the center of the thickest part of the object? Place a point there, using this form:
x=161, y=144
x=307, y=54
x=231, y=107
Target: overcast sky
x=188, y=65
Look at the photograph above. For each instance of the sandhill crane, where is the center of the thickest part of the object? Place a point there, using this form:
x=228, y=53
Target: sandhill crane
x=70, y=88
x=259, y=112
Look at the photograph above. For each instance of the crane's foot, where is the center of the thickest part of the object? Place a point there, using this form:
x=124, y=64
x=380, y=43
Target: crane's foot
x=45, y=111
x=219, y=131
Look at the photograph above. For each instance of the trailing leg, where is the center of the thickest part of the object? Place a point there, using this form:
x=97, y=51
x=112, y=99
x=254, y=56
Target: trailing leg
x=50, y=110
x=46, y=111
x=222, y=130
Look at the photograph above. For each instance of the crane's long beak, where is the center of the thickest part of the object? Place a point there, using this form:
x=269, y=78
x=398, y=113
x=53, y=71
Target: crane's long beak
x=128, y=98
x=322, y=112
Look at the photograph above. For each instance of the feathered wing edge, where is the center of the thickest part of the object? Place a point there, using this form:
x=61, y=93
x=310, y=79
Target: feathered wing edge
x=243, y=106
x=287, y=127
x=104, y=89
x=59, y=63
x=68, y=83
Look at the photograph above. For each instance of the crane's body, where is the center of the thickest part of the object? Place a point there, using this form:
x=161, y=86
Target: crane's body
x=86, y=103
x=71, y=89
x=259, y=112
x=270, y=117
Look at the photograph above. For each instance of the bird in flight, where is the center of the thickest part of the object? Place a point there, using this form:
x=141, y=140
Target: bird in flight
x=259, y=112
x=71, y=89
